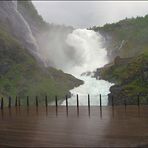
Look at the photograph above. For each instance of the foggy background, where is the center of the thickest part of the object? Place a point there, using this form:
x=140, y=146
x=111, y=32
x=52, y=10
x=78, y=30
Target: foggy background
x=87, y=14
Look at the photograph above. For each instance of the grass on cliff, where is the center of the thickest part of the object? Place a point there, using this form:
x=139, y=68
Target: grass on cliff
x=128, y=39
x=134, y=31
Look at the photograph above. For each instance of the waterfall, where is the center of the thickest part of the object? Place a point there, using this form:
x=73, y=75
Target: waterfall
x=89, y=55
x=18, y=26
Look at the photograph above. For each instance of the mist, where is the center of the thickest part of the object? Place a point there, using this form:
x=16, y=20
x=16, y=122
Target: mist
x=72, y=50
x=64, y=47
x=54, y=49
x=89, y=53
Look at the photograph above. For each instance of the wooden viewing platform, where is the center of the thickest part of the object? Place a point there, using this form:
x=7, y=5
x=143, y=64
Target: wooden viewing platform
x=50, y=126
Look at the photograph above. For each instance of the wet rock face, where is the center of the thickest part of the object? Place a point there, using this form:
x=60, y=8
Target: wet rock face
x=115, y=95
x=119, y=97
x=16, y=24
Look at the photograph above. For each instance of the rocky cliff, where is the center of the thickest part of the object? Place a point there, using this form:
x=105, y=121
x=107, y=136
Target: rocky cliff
x=15, y=24
x=50, y=38
x=22, y=67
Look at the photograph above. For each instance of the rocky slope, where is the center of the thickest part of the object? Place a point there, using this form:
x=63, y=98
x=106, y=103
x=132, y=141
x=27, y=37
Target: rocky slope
x=22, y=67
x=127, y=46
x=130, y=76
x=126, y=38
x=48, y=36
x=15, y=24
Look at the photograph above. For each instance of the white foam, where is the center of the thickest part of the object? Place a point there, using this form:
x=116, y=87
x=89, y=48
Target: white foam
x=88, y=48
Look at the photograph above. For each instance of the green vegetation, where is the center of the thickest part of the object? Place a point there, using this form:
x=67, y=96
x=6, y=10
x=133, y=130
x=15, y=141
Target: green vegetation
x=127, y=43
x=131, y=74
x=20, y=74
x=134, y=31
x=28, y=8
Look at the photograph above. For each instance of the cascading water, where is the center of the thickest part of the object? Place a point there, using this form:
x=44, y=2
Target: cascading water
x=80, y=52
x=18, y=26
x=91, y=55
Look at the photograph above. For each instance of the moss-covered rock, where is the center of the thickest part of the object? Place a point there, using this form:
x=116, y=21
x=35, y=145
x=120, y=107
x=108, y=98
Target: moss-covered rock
x=130, y=77
x=127, y=45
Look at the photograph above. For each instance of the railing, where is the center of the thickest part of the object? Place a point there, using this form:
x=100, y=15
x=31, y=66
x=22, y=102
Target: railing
x=28, y=104
x=17, y=102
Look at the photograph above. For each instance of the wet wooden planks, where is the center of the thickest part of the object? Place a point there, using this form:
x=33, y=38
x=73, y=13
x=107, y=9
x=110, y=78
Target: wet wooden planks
x=114, y=126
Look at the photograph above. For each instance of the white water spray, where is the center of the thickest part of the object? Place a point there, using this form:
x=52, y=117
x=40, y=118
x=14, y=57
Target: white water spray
x=90, y=56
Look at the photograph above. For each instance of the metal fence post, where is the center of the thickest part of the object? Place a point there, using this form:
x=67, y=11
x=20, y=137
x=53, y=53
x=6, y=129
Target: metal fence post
x=100, y=106
x=77, y=101
x=88, y=101
x=9, y=105
x=100, y=101
x=138, y=100
x=56, y=104
x=37, y=101
x=46, y=102
x=66, y=105
x=16, y=101
x=56, y=101
x=77, y=105
x=89, y=104
x=27, y=101
x=2, y=103
x=66, y=102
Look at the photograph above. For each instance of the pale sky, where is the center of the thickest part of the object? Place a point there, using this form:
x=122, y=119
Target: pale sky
x=83, y=14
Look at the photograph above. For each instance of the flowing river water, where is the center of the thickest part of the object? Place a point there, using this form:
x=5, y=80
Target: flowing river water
x=89, y=44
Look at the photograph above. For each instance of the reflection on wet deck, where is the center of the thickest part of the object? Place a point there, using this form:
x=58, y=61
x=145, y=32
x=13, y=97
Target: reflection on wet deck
x=111, y=126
